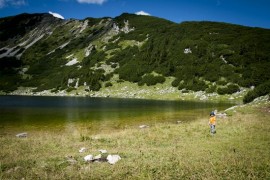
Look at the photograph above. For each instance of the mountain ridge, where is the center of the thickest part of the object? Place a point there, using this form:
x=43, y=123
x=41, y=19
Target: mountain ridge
x=48, y=53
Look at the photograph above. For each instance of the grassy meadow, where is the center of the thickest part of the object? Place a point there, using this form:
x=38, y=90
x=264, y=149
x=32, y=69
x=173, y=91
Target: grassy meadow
x=239, y=150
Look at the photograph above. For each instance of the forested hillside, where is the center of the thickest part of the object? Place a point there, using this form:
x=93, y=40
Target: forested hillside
x=48, y=53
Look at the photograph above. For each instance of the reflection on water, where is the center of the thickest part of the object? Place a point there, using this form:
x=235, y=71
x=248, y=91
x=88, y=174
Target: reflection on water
x=70, y=113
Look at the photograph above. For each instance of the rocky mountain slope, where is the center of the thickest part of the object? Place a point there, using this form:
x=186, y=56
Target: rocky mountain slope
x=44, y=53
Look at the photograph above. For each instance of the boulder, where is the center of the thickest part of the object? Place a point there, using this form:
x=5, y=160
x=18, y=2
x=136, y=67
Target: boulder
x=22, y=135
x=112, y=159
x=89, y=158
x=98, y=157
x=103, y=151
x=143, y=126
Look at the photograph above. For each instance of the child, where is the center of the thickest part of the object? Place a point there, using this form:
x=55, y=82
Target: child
x=212, y=123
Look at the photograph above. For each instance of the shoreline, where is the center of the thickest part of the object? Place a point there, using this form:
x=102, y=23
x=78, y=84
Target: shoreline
x=135, y=92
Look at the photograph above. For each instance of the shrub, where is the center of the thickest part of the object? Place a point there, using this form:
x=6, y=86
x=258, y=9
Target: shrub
x=70, y=89
x=221, y=82
x=175, y=82
x=211, y=89
x=108, y=84
x=151, y=80
x=181, y=86
x=230, y=89
x=260, y=90
x=95, y=86
x=196, y=85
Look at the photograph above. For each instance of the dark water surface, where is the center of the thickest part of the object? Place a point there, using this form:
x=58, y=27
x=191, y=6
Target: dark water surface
x=26, y=113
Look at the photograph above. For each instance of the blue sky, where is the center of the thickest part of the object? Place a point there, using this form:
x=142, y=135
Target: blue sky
x=255, y=13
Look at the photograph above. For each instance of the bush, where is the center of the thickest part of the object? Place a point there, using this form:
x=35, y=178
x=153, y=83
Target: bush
x=260, y=90
x=196, y=85
x=151, y=80
x=221, y=82
x=107, y=77
x=181, y=86
x=211, y=89
x=70, y=89
x=108, y=84
x=95, y=86
x=175, y=82
x=230, y=89
x=114, y=65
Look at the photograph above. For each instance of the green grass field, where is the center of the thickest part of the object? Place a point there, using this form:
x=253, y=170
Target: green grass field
x=239, y=150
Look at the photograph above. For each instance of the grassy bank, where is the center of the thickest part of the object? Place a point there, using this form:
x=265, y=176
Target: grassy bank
x=239, y=150
x=127, y=89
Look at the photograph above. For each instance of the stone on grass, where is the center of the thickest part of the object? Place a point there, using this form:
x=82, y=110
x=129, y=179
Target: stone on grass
x=96, y=158
x=22, y=135
x=112, y=159
x=89, y=158
x=83, y=149
x=143, y=126
x=103, y=151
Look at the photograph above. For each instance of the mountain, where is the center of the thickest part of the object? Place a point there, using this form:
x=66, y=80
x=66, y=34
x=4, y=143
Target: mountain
x=48, y=53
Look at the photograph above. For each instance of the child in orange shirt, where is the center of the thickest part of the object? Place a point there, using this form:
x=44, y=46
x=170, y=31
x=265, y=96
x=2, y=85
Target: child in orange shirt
x=212, y=123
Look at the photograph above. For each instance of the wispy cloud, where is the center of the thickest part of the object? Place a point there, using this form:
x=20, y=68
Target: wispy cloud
x=56, y=15
x=92, y=1
x=5, y=3
x=143, y=13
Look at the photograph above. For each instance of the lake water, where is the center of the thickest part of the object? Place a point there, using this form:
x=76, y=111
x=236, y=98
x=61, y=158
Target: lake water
x=30, y=113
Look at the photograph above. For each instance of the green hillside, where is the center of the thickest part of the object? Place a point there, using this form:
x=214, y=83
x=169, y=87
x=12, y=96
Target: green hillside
x=46, y=53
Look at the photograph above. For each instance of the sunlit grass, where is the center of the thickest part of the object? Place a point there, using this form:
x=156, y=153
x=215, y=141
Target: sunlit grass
x=239, y=150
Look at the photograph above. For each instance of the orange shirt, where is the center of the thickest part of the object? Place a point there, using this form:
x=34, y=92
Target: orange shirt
x=212, y=120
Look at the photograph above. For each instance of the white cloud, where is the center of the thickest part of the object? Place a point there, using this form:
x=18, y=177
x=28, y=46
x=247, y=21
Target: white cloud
x=4, y=3
x=143, y=13
x=56, y=15
x=92, y=1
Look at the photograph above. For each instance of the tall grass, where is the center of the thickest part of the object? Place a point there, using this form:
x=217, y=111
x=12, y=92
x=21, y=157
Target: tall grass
x=239, y=150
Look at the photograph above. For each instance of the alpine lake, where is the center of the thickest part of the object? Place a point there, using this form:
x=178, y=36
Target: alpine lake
x=68, y=114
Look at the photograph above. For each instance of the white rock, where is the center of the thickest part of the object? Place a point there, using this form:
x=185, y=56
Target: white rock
x=97, y=157
x=69, y=56
x=89, y=158
x=21, y=135
x=103, y=151
x=64, y=45
x=72, y=62
x=83, y=149
x=143, y=126
x=187, y=51
x=112, y=159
